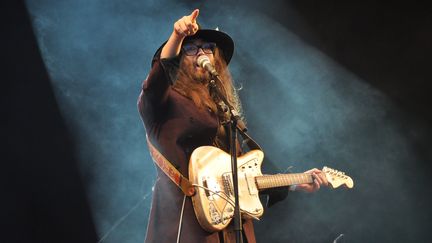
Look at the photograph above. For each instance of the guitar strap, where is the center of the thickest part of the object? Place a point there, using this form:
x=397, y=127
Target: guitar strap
x=248, y=140
x=181, y=181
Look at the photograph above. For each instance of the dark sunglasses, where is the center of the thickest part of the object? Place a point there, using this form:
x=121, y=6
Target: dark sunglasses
x=192, y=49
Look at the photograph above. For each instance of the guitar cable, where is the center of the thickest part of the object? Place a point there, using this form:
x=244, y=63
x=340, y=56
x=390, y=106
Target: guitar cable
x=181, y=219
x=227, y=199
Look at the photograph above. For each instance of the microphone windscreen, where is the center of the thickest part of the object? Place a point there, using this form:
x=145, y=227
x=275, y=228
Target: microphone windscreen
x=203, y=60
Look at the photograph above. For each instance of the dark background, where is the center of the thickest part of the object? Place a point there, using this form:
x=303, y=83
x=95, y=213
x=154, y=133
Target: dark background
x=43, y=196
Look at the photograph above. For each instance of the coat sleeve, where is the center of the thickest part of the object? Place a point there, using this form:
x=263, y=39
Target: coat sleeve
x=275, y=195
x=154, y=92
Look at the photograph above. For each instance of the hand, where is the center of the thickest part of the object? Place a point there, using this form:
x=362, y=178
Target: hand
x=319, y=180
x=187, y=25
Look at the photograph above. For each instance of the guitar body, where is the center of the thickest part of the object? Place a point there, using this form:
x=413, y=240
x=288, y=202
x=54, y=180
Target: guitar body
x=210, y=171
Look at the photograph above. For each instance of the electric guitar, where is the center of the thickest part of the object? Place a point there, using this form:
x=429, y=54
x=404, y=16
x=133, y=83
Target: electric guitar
x=210, y=173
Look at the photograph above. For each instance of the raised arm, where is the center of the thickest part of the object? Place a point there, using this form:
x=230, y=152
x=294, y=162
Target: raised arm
x=155, y=88
x=185, y=26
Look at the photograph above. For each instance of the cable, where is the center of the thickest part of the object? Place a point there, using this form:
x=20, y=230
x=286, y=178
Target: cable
x=120, y=220
x=181, y=219
x=227, y=199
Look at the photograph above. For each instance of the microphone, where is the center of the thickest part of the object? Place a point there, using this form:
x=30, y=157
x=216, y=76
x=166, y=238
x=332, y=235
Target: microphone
x=204, y=62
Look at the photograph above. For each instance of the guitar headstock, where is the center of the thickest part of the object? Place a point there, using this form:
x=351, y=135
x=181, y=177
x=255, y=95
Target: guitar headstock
x=337, y=178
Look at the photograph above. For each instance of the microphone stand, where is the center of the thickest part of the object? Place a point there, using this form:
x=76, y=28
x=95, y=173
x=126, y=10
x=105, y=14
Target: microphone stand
x=234, y=122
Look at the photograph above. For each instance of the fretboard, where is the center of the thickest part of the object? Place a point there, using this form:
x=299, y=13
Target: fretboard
x=279, y=180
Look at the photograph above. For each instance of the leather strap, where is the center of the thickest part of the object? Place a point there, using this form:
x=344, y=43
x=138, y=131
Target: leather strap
x=182, y=182
x=248, y=140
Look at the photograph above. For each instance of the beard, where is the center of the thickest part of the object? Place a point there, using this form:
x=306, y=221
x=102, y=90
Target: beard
x=194, y=72
x=191, y=82
x=201, y=75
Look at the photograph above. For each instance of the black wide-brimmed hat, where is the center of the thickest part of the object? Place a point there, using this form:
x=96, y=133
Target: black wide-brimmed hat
x=222, y=40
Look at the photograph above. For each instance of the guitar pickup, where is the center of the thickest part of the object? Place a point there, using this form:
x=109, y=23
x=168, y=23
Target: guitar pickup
x=251, y=185
x=226, y=178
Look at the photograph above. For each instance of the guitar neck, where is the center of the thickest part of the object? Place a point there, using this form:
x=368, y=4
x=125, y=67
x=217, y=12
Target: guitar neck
x=280, y=180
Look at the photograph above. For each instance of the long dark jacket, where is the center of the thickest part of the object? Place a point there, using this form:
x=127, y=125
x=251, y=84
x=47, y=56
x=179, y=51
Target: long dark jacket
x=175, y=126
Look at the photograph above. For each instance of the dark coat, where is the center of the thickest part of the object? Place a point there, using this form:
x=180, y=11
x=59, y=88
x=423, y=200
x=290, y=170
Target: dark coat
x=175, y=126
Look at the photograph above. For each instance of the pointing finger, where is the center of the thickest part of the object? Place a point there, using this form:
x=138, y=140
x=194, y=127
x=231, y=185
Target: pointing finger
x=194, y=15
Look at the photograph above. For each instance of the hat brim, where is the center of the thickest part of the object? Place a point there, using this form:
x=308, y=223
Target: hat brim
x=222, y=40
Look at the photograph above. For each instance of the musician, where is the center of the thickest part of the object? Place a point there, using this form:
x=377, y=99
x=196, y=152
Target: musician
x=179, y=115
